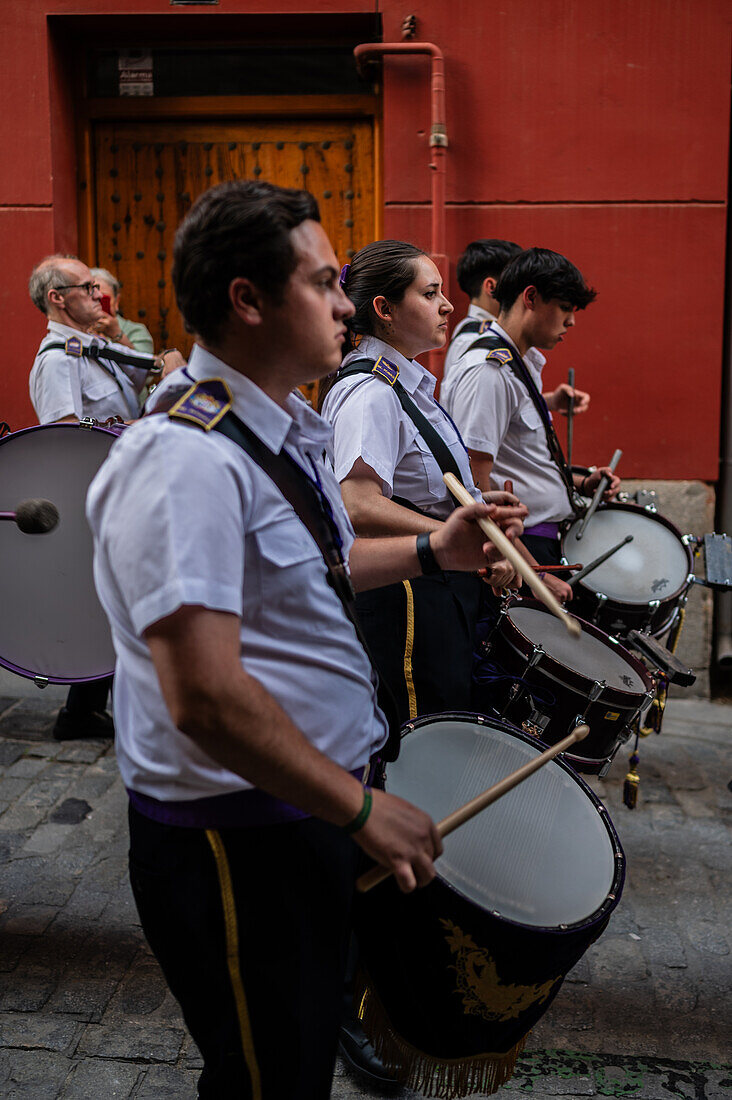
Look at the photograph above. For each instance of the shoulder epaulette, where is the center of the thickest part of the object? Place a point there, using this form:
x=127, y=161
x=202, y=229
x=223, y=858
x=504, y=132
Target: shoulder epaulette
x=203, y=404
x=501, y=355
x=385, y=369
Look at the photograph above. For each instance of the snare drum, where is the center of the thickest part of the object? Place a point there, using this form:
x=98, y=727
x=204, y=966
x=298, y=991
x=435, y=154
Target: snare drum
x=52, y=626
x=643, y=583
x=546, y=681
x=457, y=973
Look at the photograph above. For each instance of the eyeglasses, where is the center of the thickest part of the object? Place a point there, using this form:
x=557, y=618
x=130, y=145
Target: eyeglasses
x=88, y=287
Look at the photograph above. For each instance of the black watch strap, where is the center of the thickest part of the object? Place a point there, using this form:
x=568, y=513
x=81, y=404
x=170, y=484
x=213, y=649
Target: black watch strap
x=425, y=553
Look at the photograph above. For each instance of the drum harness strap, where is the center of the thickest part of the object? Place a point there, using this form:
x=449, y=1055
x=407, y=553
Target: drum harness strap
x=312, y=507
x=389, y=374
x=99, y=353
x=509, y=357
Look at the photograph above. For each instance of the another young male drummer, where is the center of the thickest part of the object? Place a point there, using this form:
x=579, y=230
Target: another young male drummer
x=245, y=705
x=478, y=271
x=494, y=397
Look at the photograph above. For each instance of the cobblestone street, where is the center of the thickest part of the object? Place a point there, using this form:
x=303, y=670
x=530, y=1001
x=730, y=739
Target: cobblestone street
x=84, y=1012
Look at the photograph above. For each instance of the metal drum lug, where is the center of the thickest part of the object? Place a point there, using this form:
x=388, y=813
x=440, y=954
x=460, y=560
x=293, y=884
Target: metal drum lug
x=41, y=681
x=88, y=422
x=653, y=607
x=601, y=601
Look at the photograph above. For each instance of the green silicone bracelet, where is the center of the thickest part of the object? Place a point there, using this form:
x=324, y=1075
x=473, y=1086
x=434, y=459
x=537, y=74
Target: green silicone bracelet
x=362, y=816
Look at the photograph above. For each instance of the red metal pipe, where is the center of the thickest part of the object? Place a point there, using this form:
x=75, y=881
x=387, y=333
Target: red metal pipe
x=438, y=152
x=438, y=128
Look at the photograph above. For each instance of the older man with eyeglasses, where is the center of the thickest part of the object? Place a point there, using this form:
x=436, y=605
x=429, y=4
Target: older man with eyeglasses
x=78, y=373
x=73, y=377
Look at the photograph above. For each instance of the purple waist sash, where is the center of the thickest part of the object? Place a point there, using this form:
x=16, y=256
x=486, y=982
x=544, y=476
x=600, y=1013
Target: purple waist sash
x=544, y=530
x=237, y=809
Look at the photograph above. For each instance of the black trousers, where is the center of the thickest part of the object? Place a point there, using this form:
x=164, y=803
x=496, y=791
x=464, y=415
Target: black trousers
x=90, y=696
x=421, y=635
x=251, y=927
x=546, y=551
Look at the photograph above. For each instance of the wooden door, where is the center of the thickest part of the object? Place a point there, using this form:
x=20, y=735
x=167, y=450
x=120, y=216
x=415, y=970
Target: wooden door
x=149, y=173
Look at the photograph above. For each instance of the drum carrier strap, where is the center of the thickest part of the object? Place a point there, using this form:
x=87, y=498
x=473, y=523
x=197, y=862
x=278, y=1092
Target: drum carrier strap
x=100, y=352
x=389, y=373
x=207, y=405
x=507, y=356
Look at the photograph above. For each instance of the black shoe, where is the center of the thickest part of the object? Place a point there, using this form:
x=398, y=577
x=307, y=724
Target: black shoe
x=360, y=1056
x=84, y=726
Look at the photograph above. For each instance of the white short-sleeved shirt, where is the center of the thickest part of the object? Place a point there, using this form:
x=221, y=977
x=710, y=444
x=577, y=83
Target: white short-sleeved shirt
x=70, y=385
x=184, y=517
x=496, y=416
x=369, y=423
x=460, y=341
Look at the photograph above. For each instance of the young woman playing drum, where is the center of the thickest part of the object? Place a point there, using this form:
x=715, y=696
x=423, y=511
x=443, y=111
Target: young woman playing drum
x=392, y=444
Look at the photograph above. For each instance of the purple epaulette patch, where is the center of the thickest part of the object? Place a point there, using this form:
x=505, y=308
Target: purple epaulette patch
x=386, y=370
x=204, y=404
x=74, y=346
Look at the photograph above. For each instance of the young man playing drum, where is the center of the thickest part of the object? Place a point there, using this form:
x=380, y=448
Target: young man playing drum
x=245, y=705
x=495, y=398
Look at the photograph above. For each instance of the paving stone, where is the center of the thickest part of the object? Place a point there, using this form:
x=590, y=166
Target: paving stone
x=82, y=752
x=36, y=1075
x=12, y=949
x=31, y=1031
x=13, y=787
x=46, y=839
x=102, y=1078
x=131, y=1041
x=26, y=989
x=27, y=767
x=141, y=991
x=84, y=997
x=165, y=1081
x=22, y=818
x=617, y=959
x=30, y=720
x=29, y=920
x=10, y=751
x=705, y=935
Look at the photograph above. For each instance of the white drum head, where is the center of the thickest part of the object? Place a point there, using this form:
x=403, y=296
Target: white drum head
x=587, y=655
x=541, y=856
x=651, y=567
x=52, y=623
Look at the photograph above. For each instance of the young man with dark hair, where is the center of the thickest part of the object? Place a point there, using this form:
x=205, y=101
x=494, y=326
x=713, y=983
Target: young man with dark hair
x=478, y=271
x=245, y=705
x=495, y=397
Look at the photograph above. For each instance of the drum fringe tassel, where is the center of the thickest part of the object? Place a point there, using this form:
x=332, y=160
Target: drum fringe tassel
x=446, y=1079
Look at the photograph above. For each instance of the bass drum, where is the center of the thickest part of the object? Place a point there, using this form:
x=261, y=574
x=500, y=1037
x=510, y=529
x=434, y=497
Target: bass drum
x=52, y=627
x=457, y=973
x=641, y=586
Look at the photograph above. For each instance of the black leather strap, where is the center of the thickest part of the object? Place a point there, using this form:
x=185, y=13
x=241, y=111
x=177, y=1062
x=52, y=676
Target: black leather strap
x=440, y=451
x=99, y=352
x=313, y=509
x=494, y=340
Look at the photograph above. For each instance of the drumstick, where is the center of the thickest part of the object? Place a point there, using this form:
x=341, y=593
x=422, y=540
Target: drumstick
x=570, y=416
x=555, y=568
x=509, y=551
x=469, y=810
x=604, y=482
x=598, y=561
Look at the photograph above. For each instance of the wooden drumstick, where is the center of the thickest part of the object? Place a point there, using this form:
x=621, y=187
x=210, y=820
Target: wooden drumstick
x=464, y=813
x=509, y=551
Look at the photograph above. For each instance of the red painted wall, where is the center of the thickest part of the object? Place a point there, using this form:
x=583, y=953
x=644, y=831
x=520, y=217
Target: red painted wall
x=598, y=130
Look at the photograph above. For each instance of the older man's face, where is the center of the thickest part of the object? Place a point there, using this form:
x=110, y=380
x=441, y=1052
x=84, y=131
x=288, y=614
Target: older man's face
x=79, y=307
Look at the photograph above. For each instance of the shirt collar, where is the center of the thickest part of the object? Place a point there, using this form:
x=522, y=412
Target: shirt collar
x=298, y=425
x=479, y=313
x=56, y=328
x=533, y=356
x=412, y=374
